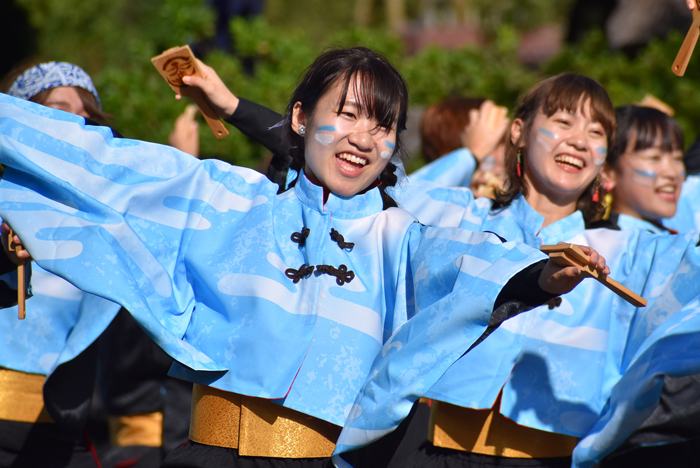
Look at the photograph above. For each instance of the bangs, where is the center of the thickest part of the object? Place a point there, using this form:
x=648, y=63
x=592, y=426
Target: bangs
x=377, y=95
x=649, y=127
x=651, y=130
x=570, y=92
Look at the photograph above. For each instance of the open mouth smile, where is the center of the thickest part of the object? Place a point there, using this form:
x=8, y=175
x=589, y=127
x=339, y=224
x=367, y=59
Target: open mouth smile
x=351, y=162
x=570, y=161
x=667, y=192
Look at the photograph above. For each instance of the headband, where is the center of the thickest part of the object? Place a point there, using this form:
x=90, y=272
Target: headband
x=50, y=75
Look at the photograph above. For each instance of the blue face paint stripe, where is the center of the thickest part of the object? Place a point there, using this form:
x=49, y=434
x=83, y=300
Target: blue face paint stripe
x=602, y=150
x=643, y=173
x=390, y=145
x=547, y=133
x=327, y=128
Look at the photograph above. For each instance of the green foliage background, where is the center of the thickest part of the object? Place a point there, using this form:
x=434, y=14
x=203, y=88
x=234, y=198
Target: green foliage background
x=115, y=39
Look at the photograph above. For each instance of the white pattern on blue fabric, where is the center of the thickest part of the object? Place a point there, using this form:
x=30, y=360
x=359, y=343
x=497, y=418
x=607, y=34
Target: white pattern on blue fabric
x=218, y=237
x=61, y=322
x=560, y=370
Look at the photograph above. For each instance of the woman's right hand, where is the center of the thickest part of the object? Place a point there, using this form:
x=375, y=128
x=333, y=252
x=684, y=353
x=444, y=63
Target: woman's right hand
x=222, y=100
x=485, y=129
x=19, y=255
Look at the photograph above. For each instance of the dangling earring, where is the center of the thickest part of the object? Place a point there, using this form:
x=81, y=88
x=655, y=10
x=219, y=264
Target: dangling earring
x=596, y=194
x=302, y=130
x=519, y=155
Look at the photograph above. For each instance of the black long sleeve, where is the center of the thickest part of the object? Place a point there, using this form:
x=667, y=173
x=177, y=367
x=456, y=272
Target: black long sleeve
x=260, y=125
x=520, y=294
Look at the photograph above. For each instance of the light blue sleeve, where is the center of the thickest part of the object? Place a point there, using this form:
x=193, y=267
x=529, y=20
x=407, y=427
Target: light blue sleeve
x=114, y=216
x=437, y=205
x=687, y=216
x=662, y=338
x=456, y=276
x=454, y=169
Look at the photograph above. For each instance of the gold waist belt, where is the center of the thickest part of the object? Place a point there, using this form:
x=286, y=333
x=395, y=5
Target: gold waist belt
x=136, y=429
x=490, y=433
x=21, y=397
x=258, y=427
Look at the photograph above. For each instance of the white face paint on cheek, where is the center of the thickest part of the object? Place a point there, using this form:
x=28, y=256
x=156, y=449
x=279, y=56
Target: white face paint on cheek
x=390, y=153
x=324, y=138
x=599, y=155
x=540, y=141
x=543, y=135
x=644, y=177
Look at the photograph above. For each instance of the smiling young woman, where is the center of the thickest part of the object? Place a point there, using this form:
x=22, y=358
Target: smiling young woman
x=559, y=141
x=645, y=166
x=274, y=306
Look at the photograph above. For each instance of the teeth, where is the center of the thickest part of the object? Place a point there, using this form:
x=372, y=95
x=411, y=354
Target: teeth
x=667, y=189
x=352, y=158
x=570, y=160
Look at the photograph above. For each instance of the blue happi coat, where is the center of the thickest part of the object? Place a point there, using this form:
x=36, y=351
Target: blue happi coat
x=454, y=169
x=61, y=322
x=211, y=261
x=560, y=369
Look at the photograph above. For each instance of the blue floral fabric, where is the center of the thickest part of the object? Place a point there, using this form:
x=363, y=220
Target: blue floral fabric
x=61, y=322
x=212, y=264
x=561, y=369
x=454, y=169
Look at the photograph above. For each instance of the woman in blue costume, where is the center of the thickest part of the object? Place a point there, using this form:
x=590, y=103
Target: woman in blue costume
x=273, y=305
x=646, y=170
x=42, y=419
x=563, y=373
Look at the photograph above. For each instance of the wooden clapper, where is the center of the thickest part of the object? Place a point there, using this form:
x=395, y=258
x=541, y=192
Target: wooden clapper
x=686, y=50
x=21, y=286
x=572, y=255
x=177, y=62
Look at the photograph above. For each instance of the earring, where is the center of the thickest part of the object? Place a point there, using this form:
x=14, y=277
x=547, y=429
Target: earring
x=519, y=155
x=596, y=194
x=302, y=130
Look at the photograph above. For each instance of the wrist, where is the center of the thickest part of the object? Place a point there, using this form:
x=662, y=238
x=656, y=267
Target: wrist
x=231, y=106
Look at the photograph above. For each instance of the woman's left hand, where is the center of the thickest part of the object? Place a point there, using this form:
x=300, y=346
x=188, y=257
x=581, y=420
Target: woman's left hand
x=558, y=280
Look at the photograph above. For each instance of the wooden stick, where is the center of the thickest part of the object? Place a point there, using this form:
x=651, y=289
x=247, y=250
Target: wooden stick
x=572, y=255
x=177, y=62
x=21, y=284
x=686, y=50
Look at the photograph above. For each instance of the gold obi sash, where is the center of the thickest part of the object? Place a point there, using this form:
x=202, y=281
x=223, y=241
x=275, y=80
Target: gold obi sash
x=136, y=429
x=21, y=397
x=488, y=432
x=258, y=427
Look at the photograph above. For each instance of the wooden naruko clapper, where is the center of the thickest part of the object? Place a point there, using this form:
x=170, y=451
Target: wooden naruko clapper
x=177, y=62
x=686, y=50
x=571, y=255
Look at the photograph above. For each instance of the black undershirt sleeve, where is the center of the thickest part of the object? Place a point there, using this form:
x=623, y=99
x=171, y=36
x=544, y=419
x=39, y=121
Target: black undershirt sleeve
x=520, y=294
x=260, y=124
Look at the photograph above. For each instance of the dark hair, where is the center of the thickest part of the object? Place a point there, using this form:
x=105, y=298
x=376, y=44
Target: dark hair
x=442, y=124
x=648, y=124
x=89, y=102
x=381, y=91
x=567, y=92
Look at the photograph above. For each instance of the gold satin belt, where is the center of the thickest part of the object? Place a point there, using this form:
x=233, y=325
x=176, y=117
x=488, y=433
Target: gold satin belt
x=258, y=427
x=21, y=397
x=488, y=432
x=136, y=429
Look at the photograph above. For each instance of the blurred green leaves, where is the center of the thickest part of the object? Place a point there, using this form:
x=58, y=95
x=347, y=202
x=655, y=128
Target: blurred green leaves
x=115, y=39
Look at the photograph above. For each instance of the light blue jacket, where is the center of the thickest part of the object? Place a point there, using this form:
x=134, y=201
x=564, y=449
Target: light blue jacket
x=209, y=259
